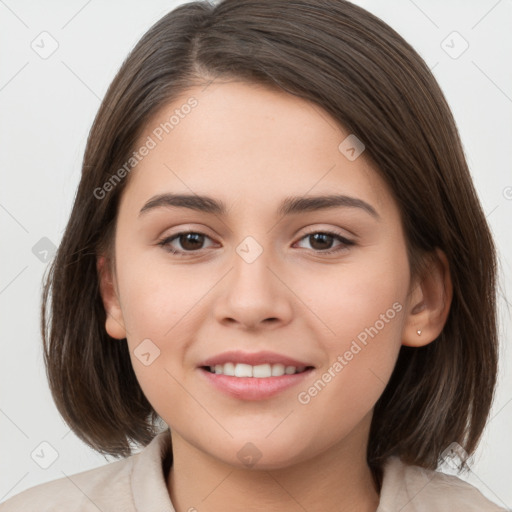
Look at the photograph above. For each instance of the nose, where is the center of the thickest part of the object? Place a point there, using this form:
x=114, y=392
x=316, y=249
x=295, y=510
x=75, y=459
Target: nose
x=254, y=294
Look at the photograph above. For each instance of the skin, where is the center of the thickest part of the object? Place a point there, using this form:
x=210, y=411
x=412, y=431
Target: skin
x=251, y=146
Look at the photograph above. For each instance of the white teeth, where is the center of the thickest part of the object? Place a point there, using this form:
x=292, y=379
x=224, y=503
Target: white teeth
x=260, y=371
x=277, y=370
x=243, y=370
x=226, y=369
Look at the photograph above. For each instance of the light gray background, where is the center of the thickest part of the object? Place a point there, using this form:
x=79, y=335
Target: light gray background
x=47, y=107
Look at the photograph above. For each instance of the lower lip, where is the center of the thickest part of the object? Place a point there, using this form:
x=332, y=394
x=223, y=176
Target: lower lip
x=253, y=388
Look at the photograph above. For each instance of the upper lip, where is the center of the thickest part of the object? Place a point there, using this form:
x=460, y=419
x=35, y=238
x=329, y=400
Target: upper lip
x=252, y=358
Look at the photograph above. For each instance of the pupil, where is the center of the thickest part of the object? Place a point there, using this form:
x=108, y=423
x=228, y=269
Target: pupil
x=195, y=240
x=322, y=237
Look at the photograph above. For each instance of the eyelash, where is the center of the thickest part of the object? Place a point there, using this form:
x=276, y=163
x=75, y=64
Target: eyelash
x=345, y=241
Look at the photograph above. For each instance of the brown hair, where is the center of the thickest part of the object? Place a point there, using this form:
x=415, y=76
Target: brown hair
x=373, y=83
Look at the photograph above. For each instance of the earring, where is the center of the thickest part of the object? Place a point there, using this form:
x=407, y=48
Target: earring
x=418, y=332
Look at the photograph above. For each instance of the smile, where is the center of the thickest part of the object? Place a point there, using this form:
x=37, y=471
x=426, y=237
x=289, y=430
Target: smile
x=260, y=371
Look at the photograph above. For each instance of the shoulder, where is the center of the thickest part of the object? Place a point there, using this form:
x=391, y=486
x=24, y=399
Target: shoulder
x=416, y=489
x=104, y=488
x=134, y=483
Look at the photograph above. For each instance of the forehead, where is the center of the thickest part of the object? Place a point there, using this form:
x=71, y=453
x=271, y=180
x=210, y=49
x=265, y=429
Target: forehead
x=250, y=144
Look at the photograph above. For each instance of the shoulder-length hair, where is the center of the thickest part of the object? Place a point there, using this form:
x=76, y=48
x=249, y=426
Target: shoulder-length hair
x=360, y=71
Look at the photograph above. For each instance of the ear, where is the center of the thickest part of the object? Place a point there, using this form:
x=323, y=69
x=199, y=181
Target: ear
x=114, y=323
x=429, y=304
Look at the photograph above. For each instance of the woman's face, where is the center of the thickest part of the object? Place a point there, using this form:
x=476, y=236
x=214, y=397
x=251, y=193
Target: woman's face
x=270, y=278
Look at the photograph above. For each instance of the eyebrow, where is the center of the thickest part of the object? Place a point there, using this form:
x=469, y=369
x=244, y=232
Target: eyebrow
x=289, y=206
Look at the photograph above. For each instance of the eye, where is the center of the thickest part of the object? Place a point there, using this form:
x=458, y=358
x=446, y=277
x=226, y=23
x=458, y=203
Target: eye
x=190, y=241
x=321, y=241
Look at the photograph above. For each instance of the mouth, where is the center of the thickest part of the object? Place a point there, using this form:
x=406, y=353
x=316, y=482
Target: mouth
x=260, y=371
x=253, y=376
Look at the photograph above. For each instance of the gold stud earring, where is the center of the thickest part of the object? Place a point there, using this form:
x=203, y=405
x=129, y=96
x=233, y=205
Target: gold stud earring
x=418, y=332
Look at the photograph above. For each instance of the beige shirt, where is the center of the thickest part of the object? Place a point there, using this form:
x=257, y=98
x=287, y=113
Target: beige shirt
x=138, y=484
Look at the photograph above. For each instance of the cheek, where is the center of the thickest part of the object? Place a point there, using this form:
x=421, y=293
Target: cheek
x=162, y=307
x=159, y=298
x=357, y=295
x=360, y=360
x=364, y=309
x=158, y=303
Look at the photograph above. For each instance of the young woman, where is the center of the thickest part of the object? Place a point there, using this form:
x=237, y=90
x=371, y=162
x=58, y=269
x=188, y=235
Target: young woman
x=277, y=251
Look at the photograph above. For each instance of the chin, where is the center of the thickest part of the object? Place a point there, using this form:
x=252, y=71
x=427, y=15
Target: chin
x=263, y=454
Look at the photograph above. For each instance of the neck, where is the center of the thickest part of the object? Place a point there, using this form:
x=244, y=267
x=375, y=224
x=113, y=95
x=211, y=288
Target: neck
x=336, y=479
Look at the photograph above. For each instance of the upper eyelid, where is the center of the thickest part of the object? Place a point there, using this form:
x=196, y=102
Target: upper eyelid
x=204, y=231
